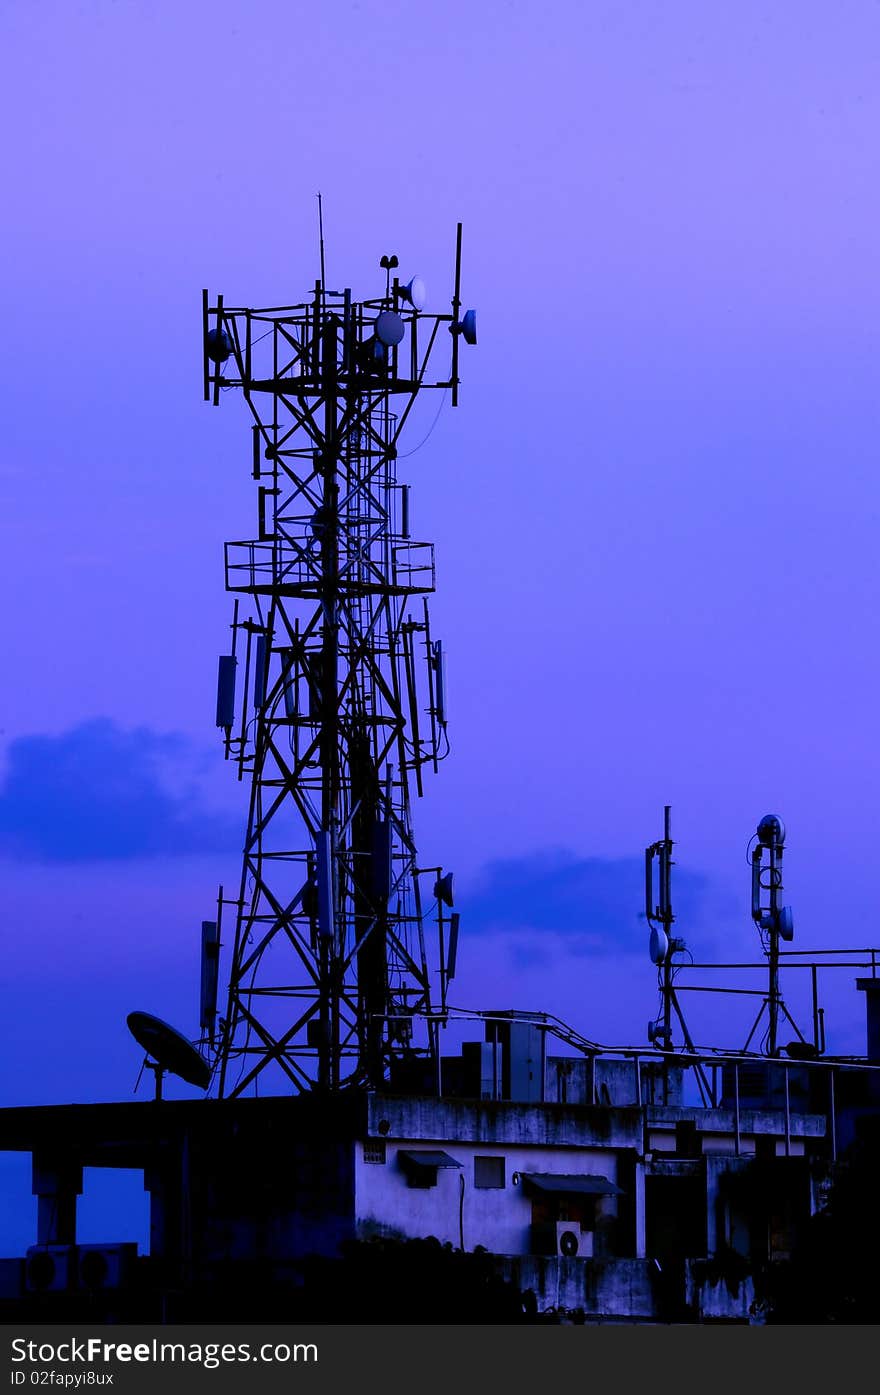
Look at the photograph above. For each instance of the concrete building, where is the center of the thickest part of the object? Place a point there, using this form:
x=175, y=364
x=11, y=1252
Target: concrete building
x=603, y=1191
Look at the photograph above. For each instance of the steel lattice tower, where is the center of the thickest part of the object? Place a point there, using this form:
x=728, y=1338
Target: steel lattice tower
x=343, y=700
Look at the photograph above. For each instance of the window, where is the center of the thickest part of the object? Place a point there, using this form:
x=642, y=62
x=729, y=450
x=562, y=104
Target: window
x=488, y=1172
x=374, y=1150
x=421, y=1177
x=420, y=1165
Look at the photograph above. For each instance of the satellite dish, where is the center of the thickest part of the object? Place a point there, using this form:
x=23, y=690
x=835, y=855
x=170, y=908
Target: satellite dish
x=415, y=293
x=170, y=1050
x=659, y=945
x=785, y=923
x=218, y=345
x=389, y=328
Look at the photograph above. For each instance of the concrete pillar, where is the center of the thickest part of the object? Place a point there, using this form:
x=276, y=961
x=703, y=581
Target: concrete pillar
x=57, y=1182
x=639, y=1199
x=871, y=989
x=165, y=1204
x=713, y=1170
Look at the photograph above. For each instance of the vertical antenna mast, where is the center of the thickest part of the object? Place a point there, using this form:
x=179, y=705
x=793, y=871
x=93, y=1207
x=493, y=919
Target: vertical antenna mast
x=774, y=921
x=330, y=968
x=321, y=240
x=663, y=946
x=660, y=918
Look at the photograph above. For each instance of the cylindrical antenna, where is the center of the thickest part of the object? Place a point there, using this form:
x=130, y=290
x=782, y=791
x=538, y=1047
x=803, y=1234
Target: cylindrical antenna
x=665, y=871
x=649, y=883
x=260, y=673
x=452, y=951
x=324, y=860
x=456, y=307
x=226, y=691
x=216, y=394
x=757, y=913
x=210, y=973
x=289, y=679
x=664, y=887
x=205, y=365
x=440, y=682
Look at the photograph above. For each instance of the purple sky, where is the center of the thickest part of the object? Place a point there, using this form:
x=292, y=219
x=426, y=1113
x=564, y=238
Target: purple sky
x=655, y=510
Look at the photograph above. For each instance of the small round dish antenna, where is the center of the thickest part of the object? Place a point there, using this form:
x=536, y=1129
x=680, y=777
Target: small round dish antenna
x=785, y=923
x=771, y=831
x=466, y=327
x=443, y=889
x=218, y=345
x=389, y=328
x=170, y=1050
x=658, y=946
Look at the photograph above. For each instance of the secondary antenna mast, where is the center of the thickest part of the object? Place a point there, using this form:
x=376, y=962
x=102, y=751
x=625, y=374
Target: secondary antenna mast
x=343, y=700
x=663, y=946
x=660, y=920
x=774, y=922
x=321, y=238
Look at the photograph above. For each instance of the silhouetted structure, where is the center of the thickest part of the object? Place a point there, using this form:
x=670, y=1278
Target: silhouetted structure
x=343, y=702
x=382, y=1179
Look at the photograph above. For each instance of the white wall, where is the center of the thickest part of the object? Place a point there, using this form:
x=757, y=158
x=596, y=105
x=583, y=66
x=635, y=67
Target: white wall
x=499, y=1219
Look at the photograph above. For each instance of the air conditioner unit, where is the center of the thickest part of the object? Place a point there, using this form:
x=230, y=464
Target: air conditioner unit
x=565, y=1239
x=49, y=1268
x=572, y=1242
x=105, y=1266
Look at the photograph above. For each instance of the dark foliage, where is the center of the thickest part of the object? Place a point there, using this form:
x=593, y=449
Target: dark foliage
x=407, y=1281
x=834, y=1275
x=375, y=1281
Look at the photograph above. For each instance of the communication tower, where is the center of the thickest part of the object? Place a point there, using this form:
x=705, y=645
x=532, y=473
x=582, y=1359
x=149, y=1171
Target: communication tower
x=341, y=701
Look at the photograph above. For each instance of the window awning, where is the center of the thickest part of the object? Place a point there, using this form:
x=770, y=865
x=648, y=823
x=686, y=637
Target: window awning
x=424, y=1157
x=571, y=1184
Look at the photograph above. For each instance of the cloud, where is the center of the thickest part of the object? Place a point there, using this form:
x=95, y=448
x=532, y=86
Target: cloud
x=99, y=792
x=597, y=904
